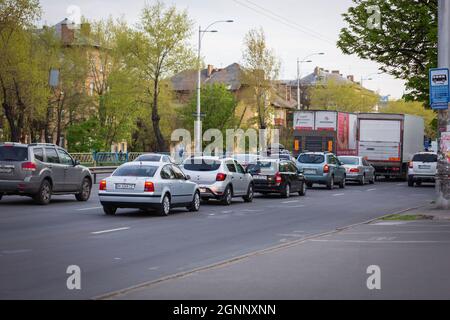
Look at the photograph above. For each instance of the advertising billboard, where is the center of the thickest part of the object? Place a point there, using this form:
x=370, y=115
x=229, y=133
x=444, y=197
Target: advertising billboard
x=325, y=121
x=346, y=134
x=304, y=120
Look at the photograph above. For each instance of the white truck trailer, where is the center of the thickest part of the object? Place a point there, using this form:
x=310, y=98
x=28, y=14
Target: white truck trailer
x=389, y=141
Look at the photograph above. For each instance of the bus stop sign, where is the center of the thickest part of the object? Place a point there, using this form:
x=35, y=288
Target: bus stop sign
x=439, y=88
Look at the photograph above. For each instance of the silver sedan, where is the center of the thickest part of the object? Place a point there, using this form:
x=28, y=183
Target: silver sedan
x=145, y=185
x=358, y=169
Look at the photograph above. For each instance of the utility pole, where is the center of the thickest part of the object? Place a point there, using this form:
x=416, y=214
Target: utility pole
x=443, y=167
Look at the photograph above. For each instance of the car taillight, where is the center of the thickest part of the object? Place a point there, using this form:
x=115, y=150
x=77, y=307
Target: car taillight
x=326, y=169
x=149, y=186
x=29, y=166
x=102, y=185
x=354, y=170
x=221, y=177
x=278, y=179
x=411, y=165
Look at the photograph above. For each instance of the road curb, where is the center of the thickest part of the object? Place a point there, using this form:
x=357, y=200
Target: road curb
x=286, y=245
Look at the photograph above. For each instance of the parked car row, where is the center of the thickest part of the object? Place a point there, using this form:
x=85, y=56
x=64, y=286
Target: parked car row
x=154, y=181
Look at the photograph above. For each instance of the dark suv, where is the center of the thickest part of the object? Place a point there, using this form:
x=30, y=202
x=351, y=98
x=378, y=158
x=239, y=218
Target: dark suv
x=40, y=170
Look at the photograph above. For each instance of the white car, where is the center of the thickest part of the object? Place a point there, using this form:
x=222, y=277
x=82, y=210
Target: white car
x=146, y=185
x=155, y=157
x=422, y=168
x=220, y=178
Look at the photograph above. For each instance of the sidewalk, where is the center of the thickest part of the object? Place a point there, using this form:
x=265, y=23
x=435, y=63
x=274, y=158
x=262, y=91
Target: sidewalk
x=412, y=256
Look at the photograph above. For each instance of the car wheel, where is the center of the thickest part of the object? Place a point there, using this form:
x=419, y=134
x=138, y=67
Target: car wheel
x=250, y=194
x=309, y=185
x=286, y=193
x=195, y=204
x=302, y=191
x=227, y=197
x=363, y=180
x=372, y=181
x=330, y=183
x=164, y=208
x=410, y=182
x=85, y=193
x=418, y=183
x=1, y=196
x=44, y=194
x=342, y=183
x=109, y=210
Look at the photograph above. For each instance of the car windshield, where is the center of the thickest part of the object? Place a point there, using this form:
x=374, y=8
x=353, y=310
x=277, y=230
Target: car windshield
x=425, y=157
x=263, y=166
x=201, y=165
x=135, y=171
x=311, y=158
x=349, y=160
x=13, y=153
x=149, y=157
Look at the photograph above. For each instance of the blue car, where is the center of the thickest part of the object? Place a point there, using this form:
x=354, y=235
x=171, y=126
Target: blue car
x=322, y=168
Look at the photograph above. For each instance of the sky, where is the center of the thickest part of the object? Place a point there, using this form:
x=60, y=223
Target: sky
x=294, y=29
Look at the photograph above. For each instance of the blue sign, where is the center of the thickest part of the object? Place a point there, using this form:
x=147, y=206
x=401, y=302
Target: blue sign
x=439, y=88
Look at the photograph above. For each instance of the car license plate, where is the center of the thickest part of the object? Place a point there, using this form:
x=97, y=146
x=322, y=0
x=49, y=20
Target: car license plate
x=126, y=186
x=260, y=177
x=310, y=171
x=5, y=170
x=424, y=167
x=202, y=190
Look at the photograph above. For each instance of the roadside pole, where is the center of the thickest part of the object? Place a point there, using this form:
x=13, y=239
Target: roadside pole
x=443, y=168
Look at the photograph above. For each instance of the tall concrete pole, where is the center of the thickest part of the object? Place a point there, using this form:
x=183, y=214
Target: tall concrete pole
x=298, y=85
x=198, y=122
x=443, y=167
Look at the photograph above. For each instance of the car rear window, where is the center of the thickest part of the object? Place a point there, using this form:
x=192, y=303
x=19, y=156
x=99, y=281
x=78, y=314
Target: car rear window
x=311, y=158
x=13, y=153
x=263, y=166
x=349, y=160
x=425, y=158
x=135, y=171
x=201, y=165
x=149, y=157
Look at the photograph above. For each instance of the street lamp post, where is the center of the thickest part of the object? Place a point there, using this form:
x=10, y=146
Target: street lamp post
x=198, y=122
x=299, y=63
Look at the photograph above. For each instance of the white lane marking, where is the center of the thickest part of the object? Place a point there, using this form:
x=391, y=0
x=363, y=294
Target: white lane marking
x=117, y=258
x=292, y=201
x=396, y=232
x=338, y=194
x=110, y=230
x=372, y=241
x=371, y=190
x=400, y=184
x=290, y=235
x=153, y=268
x=16, y=251
x=85, y=209
x=227, y=211
x=299, y=206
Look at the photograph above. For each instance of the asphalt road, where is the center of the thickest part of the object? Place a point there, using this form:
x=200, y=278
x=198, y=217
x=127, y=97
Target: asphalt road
x=38, y=243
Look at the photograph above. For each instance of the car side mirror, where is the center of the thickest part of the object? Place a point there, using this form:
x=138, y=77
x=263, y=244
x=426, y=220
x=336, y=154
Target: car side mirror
x=76, y=163
x=188, y=177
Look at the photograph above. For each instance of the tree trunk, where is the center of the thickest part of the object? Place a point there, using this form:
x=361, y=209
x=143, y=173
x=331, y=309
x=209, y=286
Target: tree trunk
x=161, y=144
x=15, y=131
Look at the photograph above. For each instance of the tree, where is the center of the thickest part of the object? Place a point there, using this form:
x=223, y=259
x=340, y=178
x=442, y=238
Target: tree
x=261, y=68
x=405, y=43
x=23, y=90
x=414, y=108
x=219, y=106
x=156, y=50
x=348, y=97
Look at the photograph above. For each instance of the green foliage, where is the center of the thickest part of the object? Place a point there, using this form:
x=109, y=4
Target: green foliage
x=217, y=103
x=155, y=50
x=347, y=97
x=86, y=136
x=405, y=45
x=261, y=67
